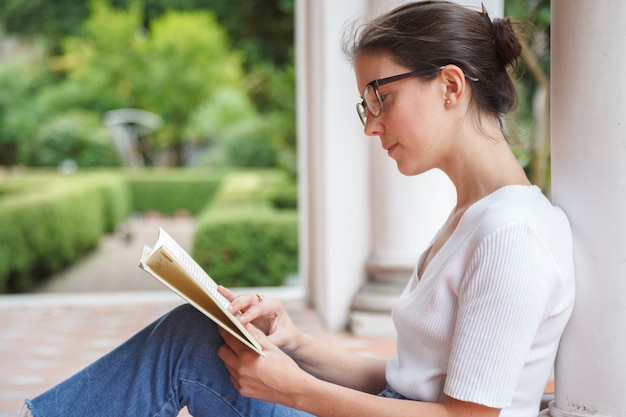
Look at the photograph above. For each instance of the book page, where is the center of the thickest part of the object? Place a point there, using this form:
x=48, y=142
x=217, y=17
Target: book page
x=190, y=265
x=174, y=267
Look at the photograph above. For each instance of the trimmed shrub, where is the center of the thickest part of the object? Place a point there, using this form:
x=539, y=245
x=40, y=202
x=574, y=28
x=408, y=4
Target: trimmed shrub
x=47, y=223
x=242, y=240
x=170, y=191
x=43, y=232
x=247, y=244
x=116, y=201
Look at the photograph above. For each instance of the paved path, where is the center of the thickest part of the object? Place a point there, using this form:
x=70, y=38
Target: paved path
x=83, y=313
x=113, y=267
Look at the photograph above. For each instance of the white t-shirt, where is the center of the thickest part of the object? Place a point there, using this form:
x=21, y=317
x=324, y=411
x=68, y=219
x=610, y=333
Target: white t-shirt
x=484, y=322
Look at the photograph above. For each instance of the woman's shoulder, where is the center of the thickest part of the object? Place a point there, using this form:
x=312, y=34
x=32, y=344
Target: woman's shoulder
x=519, y=204
x=518, y=207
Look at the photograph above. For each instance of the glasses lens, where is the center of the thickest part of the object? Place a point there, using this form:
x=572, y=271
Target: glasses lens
x=372, y=102
x=360, y=109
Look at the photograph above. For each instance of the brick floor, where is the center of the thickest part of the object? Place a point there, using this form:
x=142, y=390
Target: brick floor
x=46, y=338
x=83, y=313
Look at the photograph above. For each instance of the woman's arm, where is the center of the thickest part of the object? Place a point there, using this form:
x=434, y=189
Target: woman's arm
x=277, y=378
x=315, y=356
x=340, y=367
x=323, y=399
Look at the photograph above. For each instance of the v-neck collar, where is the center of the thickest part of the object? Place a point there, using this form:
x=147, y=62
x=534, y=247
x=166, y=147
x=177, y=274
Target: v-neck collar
x=464, y=228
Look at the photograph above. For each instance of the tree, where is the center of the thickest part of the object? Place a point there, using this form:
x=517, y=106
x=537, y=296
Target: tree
x=535, y=89
x=262, y=29
x=187, y=57
x=120, y=57
x=170, y=69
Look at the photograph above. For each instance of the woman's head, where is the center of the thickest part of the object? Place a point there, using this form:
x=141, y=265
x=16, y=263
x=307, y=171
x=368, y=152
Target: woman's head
x=437, y=33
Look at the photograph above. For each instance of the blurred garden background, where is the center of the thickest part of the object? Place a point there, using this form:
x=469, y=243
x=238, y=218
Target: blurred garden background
x=113, y=109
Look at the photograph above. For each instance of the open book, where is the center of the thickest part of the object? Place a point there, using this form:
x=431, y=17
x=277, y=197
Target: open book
x=173, y=266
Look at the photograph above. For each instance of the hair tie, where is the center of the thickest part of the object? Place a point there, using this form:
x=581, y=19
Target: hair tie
x=485, y=16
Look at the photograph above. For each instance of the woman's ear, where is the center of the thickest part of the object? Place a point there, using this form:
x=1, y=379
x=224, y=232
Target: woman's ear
x=453, y=84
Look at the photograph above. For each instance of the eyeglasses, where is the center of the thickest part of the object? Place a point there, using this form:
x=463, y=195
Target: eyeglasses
x=372, y=103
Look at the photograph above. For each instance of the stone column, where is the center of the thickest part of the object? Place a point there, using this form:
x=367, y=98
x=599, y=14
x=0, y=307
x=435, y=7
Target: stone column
x=588, y=64
x=332, y=162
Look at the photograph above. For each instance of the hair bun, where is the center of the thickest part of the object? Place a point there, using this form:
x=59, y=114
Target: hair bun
x=507, y=43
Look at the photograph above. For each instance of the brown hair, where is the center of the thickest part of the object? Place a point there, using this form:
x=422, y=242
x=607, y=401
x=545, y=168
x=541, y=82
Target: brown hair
x=436, y=33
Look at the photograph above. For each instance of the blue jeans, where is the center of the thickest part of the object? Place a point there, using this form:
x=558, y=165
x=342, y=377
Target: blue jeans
x=170, y=364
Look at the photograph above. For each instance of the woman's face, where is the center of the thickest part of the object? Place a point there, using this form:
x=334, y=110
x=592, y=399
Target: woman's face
x=411, y=126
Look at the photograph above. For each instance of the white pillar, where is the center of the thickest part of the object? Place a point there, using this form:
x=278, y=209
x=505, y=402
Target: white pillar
x=589, y=182
x=332, y=161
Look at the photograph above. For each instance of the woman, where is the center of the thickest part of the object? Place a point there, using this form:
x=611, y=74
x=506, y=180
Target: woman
x=480, y=320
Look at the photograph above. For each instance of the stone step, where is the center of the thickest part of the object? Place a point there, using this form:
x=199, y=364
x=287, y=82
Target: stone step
x=377, y=296
x=372, y=324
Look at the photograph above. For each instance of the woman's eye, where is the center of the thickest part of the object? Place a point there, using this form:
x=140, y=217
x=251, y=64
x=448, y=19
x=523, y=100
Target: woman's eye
x=383, y=97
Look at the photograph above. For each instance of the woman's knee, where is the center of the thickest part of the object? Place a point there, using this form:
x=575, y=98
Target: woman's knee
x=186, y=322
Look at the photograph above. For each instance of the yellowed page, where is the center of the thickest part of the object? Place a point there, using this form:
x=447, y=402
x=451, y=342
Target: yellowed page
x=172, y=265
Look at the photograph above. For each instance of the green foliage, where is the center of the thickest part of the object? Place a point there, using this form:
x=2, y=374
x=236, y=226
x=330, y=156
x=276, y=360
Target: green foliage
x=48, y=221
x=245, y=20
x=273, y=90
x=78, y=135
x=171, y=191
x=187, y=60
x=257, y=244
x=533, y=17
x=262, y=29
x=102, y=64
x=212, y=119
x=256, y=247
x=169, y=70
x=49, y=19
x=42, y=232
x=20, y=80
x=248, y=144
x=116, y=198
x=170, y=58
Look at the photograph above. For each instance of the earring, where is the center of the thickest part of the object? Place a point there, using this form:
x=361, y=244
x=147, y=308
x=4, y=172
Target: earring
x=448, y=101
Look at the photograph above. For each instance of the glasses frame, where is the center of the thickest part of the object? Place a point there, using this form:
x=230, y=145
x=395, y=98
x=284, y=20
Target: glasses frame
x=363, y=110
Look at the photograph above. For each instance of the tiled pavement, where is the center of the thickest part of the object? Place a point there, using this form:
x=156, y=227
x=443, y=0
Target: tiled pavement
x=82, y=314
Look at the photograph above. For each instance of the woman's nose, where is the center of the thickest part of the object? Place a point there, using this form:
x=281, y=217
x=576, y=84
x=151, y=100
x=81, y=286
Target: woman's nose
x=373, y=126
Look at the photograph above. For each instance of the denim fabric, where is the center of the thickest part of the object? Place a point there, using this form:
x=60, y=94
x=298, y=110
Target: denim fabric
x=390, y=393
x=170, y=364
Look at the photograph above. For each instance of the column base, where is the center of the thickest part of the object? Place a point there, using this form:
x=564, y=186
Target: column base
x=370, y=314
x=552, y=411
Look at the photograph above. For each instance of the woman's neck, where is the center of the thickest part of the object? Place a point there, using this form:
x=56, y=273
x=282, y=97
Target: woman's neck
x=481, y=165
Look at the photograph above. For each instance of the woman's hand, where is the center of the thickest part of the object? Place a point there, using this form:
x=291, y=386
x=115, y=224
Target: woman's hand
x=275, y=377
x=307, y=356
x=268, y=316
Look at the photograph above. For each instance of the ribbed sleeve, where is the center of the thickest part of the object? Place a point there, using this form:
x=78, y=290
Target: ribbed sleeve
x=502, y=302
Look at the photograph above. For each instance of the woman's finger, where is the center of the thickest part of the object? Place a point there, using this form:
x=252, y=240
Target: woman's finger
x=245, y=302
x=230, y=296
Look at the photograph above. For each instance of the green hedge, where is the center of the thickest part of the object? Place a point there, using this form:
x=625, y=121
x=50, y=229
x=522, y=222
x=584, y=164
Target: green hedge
x=41, y=233
x=48, y=221
x=171, y=191
x=116, y=197
x=241, y=240
x=52, y=222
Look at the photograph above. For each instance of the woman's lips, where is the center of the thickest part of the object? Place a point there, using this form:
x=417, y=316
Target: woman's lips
x=390, y=148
